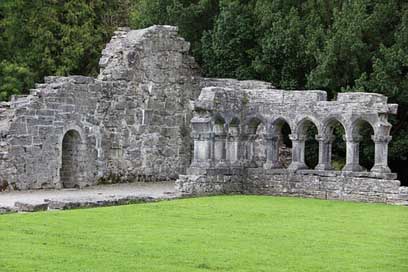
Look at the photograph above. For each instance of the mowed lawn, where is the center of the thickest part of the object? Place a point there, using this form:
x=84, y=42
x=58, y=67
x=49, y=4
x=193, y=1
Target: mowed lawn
x=228, y=233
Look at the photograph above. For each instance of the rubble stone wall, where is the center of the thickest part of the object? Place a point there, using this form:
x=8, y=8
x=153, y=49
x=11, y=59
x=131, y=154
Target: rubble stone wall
x=328, y=185
x=132, y=121
x=33, y=128
x=146, y=109
x=234, y=121
x=149, y=116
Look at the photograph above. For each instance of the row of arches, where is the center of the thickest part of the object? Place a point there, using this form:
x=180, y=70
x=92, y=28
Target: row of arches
x=328, y=145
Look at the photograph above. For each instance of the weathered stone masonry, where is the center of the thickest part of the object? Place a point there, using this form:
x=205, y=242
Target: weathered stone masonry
x=149, y=116
x=132, y=123
x=226, y=122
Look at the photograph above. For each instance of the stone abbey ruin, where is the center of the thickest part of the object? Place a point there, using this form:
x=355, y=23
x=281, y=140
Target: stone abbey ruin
x=150, y=116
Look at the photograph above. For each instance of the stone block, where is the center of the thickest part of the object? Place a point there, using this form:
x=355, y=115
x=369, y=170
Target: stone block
x=30, y=207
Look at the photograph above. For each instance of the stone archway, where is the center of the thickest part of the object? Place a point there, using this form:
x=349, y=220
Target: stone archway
x=71, y=160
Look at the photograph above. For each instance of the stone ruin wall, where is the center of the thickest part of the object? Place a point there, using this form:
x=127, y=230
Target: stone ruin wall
x=131, y=123
x=226, y=122
x=140, y=118
x=146, y=122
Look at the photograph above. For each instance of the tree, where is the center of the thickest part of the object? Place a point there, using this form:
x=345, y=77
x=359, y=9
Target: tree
x=193, y=18
x=283, y=59
x=13, y=79
x=56, y=37
x=228, y=49
x=390, y=77
x=358, y=29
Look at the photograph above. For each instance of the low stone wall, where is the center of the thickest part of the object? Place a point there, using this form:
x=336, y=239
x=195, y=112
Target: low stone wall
x=194, y=185
x=333, y=185
x=326, y=185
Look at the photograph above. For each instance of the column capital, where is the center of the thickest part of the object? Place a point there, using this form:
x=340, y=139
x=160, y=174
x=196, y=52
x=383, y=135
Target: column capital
x=327, y=139
x=295, y=137
x=270, y=137
x=381, y=139
x=202, y=136
x=252, y=137
x=235, y=137
x=353, y=138
x=220, y=136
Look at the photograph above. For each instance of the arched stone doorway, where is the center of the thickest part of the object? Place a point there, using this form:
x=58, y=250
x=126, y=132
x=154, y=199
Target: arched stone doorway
x=71, y=160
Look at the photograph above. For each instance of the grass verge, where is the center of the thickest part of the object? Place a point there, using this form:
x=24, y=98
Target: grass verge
x=228, y=233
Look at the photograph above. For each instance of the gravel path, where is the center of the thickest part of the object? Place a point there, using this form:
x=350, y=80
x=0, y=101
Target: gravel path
x=101, y=195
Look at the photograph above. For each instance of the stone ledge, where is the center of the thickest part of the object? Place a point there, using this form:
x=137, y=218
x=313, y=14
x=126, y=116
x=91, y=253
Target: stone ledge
x=67, y=205
x=97, y=196
x=326, y=173
x=227, y=171
x=5, y=210
x=30, y=207
x=78, y=204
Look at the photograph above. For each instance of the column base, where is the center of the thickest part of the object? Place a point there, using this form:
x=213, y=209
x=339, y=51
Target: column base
x=353, y=168
x=235, y=164
x=195, y=171
x=201, y=164
x=380, y=169
x=297, y=166
x=251, y=164
x=324, y=167
x=221, y=164
x=272, y=165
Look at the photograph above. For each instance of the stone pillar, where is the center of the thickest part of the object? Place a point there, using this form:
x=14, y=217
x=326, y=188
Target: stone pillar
x=250, y=152
x=381, y=154
x=272, y=152
x=298, y=152
x=202, y=150
x=220, y=149
x=233, y=156
x=353, y=153
x=325, y=152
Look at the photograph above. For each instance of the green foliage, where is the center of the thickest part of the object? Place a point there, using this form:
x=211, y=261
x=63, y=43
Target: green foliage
x=192, y=17
x=389, y=76
x=283, y=58
x=13, y=79
x=352, y=40
x=228, y=48
x=55, y=37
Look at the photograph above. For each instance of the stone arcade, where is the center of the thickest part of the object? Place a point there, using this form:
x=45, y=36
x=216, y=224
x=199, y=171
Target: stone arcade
x=149, y=116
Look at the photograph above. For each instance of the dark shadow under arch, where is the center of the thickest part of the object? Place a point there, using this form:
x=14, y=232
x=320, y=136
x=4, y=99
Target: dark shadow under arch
x=219, y=125
x=363, y=130
x=335, y=129
x=71, y=160
x=282, y=130
x=308, y=129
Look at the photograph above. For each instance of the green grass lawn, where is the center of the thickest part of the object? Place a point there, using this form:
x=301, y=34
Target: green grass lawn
x=229, y=233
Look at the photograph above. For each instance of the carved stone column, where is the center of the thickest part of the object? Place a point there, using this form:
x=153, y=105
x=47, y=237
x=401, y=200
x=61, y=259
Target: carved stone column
x=233, y=157
x=353, y=153
x=325, y=152
x=220, y=149
x=250, y=150
x=203, y=147
x=381, y=154
x=272, y=152
x=298, y=152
